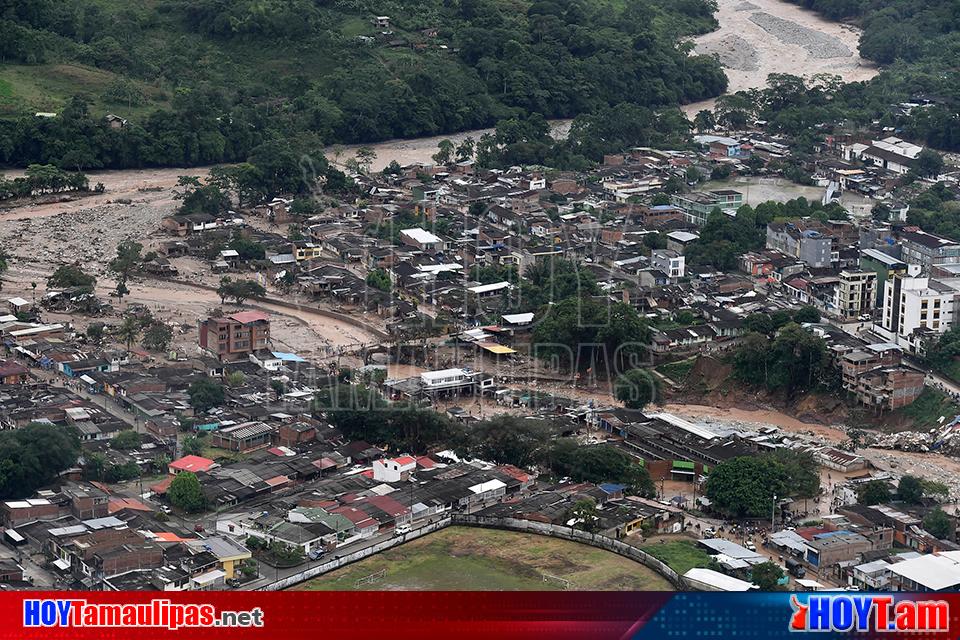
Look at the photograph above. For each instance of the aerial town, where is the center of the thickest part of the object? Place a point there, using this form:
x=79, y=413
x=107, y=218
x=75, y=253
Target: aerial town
x=468, y=296
x=727, y=388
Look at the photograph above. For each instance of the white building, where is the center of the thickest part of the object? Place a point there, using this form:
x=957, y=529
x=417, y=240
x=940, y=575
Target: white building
x=393, y=470
x=926, y=304
x=421, y=239
x=892, y=154
x=670, y=262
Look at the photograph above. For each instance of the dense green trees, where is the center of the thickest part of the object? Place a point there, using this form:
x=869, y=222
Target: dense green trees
x=71, y=276
x=874, y=492
x=582, y=333
x=206, y=81
x=239, y=290
x=938, y=524
x=637, y=388
x=745, y=486
x=601, y=463
x=33, y=456
x=511, y=440
x=361, y=413
x=39, y=179
x=794, y=361
x=767, y=575
x=205, y=394
x=185, y=492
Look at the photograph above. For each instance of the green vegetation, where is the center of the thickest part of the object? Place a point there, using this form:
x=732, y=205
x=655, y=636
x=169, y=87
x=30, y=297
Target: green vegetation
x=793, y=361
x=745, y=486
x=512, y=440
x=931, y=405
x=39, y=179
x=724, y=239
x=185, y=493
x=681, y=554
x=33, y=456
x=766, y=575
x=71, y=276
x=874, y=492
x=361, y=413
x=936, y=210
x=601, y=463
x=206, y=81
x=677, y=371
x=938, y=524
x=637, y=388
x=205, y=394
x=239, y=290
x=462, y=559
x=126, y=440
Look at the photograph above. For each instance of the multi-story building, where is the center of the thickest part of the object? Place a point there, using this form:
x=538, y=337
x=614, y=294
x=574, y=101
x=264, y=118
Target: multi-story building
x=889, y=388
x=918, y=305
x=235, y=337
x=856, y=293
x=669, y=262
x=698, y=205
x=886, y=267
x=808, y=244
x=928, y=250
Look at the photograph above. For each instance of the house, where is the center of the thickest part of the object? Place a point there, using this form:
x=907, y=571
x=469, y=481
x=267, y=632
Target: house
x=720, y=146
x=393, y=470
x=669, y=262
x=698, y=205
x=381, y=22
x=229, y=553
x=678, y=241
x=193, y=464
x=422, y=240
x=13, y=372
x=235, y=337
x=115, y=121
x=244, y=437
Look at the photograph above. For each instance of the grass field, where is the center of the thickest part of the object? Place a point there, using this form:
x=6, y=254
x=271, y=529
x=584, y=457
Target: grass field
x=468, y=559
x=681, y=555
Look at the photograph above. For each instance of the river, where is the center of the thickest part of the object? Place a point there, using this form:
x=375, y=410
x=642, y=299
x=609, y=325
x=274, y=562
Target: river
x=756, y=38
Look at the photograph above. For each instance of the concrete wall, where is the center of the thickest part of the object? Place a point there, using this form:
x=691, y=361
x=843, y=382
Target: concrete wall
x=510, y=524
x=574, y=535
x=336, y=563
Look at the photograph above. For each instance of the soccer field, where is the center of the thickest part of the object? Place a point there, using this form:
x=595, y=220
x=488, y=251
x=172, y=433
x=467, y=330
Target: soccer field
x=470, y=559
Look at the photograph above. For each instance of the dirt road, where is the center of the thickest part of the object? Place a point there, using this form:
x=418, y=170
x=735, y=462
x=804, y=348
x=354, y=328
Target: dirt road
x=760, y=37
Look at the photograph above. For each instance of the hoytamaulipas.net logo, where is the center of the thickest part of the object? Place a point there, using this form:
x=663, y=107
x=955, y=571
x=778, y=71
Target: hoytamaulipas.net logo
x=155, y=613
x=862, y=612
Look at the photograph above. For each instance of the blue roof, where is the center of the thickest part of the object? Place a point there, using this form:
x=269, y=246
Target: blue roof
x=662, y=207
x=288, y=357
x=610, y=487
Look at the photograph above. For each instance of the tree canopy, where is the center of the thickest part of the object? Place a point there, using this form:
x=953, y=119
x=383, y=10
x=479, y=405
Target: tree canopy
x=601, y=463
x=745, y=486
x=33, y=456
x=209, y=82
x=185, y=492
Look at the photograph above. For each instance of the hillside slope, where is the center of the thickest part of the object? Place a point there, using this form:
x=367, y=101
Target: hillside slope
x=223, y=76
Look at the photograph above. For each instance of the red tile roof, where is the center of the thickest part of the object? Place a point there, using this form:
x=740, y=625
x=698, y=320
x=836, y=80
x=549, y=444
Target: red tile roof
x=246, y=317
x=192, y=463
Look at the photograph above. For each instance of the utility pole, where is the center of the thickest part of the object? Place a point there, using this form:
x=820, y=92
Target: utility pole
x=773, y=510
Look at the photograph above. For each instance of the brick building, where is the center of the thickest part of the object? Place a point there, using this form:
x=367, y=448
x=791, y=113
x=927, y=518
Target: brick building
x=235, y=337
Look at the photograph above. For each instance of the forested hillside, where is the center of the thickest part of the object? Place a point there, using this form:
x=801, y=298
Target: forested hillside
x=208, y=81
x=917, y=42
